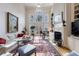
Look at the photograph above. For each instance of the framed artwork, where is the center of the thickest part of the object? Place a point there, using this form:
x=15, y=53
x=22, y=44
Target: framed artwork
x=12, y=23
x=59, y=19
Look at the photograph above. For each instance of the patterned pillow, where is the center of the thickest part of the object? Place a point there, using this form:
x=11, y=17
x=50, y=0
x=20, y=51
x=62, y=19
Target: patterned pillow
x=20, y=35
x=2, y=41
x=5, y=37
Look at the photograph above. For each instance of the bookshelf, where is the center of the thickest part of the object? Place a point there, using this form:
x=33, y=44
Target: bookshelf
x=76, y=11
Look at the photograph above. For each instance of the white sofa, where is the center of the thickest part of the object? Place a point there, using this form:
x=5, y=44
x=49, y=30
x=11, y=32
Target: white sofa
x=11, y=41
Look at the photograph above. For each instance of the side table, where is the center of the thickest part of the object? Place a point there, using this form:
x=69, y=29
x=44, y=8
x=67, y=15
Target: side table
x=2, y=49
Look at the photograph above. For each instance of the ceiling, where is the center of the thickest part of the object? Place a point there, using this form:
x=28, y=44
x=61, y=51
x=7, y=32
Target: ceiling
x=41, y=4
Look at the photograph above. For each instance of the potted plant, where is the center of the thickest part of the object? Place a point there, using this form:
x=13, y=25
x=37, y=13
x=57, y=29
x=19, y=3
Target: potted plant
x=32, y=29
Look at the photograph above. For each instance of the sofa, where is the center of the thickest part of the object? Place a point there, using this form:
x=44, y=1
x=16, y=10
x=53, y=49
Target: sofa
x=9, y=41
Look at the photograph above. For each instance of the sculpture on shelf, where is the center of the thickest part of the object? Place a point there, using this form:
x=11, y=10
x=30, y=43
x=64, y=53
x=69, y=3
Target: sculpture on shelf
x=64, y=22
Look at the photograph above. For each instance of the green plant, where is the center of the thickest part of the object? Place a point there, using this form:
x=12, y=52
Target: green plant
x=32, y=29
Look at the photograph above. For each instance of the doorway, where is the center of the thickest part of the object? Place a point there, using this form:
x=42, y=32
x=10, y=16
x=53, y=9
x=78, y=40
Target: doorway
x=40, y=20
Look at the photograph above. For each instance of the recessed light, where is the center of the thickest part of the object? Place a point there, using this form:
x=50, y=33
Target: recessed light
x=38, y=6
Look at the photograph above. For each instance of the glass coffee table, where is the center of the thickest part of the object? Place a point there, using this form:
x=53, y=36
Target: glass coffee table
x=27, y=50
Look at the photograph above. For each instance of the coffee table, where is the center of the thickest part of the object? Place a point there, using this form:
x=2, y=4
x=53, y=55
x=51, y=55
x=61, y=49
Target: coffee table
x=27, y=50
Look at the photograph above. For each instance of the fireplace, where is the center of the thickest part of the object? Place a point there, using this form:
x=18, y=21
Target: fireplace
x=58, y=38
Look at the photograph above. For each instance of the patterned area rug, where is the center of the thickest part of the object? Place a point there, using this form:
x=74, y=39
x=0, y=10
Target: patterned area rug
x=44, y=47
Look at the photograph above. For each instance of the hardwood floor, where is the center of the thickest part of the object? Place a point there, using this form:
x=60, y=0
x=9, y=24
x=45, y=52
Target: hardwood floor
x=61, y=50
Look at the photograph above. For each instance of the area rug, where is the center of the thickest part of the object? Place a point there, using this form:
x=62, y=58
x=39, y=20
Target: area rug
x=44, y=47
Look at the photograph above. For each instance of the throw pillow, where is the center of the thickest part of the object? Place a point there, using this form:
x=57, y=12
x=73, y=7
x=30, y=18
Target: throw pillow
x=19, y=35
x=2, y=41
x=11, y=36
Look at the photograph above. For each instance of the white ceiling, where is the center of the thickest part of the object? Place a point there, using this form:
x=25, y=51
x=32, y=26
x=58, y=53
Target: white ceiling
x=41, y=4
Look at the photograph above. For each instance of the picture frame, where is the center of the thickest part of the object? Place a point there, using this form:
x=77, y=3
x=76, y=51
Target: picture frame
x=12, y=23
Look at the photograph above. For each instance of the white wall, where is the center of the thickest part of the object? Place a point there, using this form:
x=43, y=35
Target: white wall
x=14, y=8
x=57, y=9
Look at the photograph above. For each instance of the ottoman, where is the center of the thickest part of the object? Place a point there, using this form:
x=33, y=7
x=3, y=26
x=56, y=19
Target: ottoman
x=27, y=50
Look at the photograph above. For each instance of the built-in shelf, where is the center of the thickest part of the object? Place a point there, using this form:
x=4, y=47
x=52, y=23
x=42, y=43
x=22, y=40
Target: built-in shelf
x=76, y=11
x=77, y=14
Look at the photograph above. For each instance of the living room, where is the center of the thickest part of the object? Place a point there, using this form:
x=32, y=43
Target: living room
x=38, y=23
